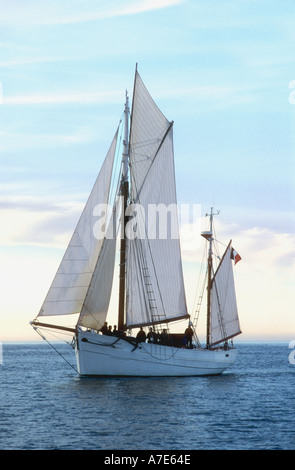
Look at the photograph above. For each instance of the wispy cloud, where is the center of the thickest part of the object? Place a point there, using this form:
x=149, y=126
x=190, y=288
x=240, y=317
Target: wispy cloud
x=27, y=221
x=10, y=140
x=213, y=95
x=56, y=12
x=262, y=248
x=63, y=98
x=49, y=222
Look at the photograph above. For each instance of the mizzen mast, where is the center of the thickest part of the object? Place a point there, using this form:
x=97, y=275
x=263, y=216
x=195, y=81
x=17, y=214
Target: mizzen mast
x=209, y=236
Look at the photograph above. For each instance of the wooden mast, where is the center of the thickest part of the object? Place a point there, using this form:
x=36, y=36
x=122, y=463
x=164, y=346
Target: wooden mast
x=209, y=284
x=209, y=237
x=124, y=192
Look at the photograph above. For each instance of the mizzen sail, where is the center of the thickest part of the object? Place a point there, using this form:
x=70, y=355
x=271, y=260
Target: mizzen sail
x=224, y=312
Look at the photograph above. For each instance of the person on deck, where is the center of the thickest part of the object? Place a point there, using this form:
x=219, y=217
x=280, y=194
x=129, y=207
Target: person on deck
x=189, y=336
x=104, y=328
x=141, y=336
x=164, y=337
x=151, y=336
x=109, y=331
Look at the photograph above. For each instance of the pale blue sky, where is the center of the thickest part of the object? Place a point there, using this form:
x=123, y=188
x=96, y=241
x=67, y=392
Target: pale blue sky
x=219, y=69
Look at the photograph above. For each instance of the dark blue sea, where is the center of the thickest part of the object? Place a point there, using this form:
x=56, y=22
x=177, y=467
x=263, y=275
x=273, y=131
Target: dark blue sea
x=44, y=405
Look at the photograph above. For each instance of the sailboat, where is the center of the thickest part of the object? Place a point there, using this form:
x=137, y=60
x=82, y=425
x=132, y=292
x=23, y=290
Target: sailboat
x=151, y=292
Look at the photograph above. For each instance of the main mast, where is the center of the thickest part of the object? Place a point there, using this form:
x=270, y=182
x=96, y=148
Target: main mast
x=124, y=192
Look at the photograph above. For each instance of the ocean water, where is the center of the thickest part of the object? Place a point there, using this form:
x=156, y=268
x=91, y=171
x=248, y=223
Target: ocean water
x=45, y=405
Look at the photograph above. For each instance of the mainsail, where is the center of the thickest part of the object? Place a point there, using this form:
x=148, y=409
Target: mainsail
x=73, y=278
x=155, y=286
x=224, y=313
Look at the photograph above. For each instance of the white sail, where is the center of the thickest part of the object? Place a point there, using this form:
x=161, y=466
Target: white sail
x=70, y=285
x=96, y=304
x=155, y=287
x=224, y=313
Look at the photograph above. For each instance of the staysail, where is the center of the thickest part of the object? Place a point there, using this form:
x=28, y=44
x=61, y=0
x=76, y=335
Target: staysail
x=224, y=313
x=155, y=286
x=73, y=278
x=96, y=303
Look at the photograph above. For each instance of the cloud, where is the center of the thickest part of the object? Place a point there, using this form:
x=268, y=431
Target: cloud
x=30, y=226
x=207, y=95
x=215, y=96
x=27, y=221
x=263, y=249
x=55, y=12
x=63, y=98
x=11, y=140
x=263, y=279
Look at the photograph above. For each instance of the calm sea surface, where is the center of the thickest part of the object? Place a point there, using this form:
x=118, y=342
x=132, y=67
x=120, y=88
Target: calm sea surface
x=45, y=405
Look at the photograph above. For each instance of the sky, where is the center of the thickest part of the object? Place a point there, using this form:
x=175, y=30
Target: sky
x=224, y=72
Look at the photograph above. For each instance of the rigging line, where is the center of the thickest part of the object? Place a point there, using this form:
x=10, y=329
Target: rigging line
x=56, y=350
x=144, y=143
x=201, y=275
x=148, y=287
x=155, y=272
x=217, y=241
x=145, y=288
x=145, y=228
x=198, y=306
x=141, y=262
x=153, y=158
x=117, y=160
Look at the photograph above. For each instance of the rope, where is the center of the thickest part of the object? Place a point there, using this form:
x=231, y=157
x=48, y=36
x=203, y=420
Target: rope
x=56, y=350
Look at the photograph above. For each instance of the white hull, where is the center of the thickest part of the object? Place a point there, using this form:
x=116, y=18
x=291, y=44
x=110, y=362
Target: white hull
x=99, y=355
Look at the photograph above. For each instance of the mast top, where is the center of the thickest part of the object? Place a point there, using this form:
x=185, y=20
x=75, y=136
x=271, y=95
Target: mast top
x=126, y=139
x=208, y=234
x=212, y=214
